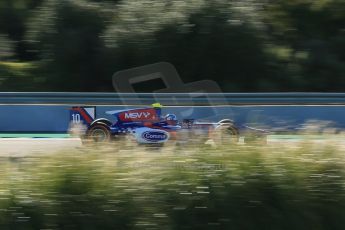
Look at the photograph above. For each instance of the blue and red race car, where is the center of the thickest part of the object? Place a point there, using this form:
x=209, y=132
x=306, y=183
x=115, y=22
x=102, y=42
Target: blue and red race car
x=148, y=125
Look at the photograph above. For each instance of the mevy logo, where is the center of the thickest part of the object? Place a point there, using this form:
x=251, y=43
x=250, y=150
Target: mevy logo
x=137, y=115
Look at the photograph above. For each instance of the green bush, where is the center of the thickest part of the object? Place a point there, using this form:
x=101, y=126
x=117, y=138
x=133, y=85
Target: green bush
x=20, y=76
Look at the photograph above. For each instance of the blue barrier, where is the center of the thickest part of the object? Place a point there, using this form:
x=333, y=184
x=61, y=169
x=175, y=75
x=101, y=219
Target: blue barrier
x=49, y=112
x=55, y=118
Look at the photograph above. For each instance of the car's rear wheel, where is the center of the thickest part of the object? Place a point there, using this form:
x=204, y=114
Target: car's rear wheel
x=99, y=133
x=225, y=134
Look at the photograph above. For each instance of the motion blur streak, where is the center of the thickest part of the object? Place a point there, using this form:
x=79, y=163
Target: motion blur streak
x=243, y=45
x=123, y=186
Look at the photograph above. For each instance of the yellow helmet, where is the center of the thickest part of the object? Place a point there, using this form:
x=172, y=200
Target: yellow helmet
x=157, y=105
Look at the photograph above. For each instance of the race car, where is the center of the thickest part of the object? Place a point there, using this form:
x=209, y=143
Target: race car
x=148, y=125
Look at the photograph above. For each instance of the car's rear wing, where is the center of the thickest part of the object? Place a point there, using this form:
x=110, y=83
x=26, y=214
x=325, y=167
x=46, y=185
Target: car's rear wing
x=82, y=115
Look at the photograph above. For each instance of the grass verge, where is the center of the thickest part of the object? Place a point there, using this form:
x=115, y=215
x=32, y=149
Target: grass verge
x=231, y=187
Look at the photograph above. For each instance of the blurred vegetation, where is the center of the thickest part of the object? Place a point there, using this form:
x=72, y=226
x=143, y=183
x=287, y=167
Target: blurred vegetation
x=251, y=45
x=232, y=187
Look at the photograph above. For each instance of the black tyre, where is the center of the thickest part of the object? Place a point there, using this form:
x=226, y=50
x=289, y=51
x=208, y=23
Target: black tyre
x=226, y=134
x=99, y=133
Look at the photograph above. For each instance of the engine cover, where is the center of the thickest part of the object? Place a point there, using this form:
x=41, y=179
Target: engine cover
x=147, y=135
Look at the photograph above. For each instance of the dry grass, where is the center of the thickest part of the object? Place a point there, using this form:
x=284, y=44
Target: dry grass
x=184, y=187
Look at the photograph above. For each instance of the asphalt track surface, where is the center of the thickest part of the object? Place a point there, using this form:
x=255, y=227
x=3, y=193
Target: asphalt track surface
x=21, y=147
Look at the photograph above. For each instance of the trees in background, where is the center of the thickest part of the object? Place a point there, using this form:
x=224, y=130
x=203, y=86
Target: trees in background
x=253, y=45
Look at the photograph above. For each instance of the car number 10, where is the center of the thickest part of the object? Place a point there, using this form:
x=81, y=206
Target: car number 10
x=75, y=118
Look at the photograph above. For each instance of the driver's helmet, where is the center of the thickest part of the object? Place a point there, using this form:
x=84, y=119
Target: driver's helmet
x=171, y=119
